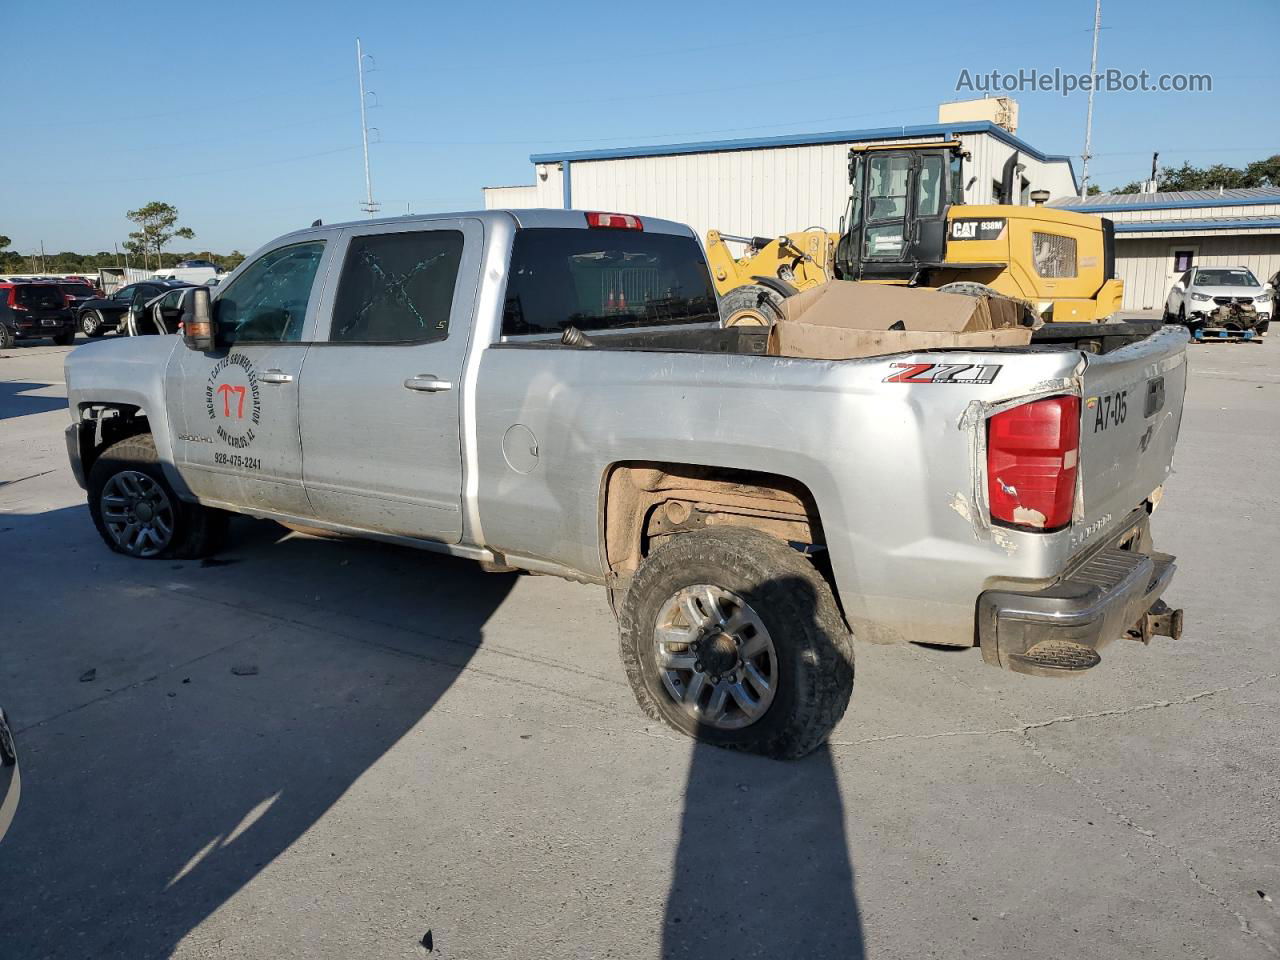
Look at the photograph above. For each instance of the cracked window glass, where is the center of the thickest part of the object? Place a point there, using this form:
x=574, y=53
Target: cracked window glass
x=267, y=303
x=397, y=287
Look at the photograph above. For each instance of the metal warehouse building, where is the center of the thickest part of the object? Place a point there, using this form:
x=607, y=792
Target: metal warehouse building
x=1159, y=236
x=772, y=185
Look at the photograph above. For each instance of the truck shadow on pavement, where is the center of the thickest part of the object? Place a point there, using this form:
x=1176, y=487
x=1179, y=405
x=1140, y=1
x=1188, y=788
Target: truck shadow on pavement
x=212, y=738
x=229, y=718
x=16, y=399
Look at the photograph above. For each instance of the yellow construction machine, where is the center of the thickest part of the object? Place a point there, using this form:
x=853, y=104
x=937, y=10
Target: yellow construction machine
x=906, y=223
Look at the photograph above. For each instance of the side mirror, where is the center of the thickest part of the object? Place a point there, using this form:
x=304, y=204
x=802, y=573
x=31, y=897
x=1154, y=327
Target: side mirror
x=197, y=322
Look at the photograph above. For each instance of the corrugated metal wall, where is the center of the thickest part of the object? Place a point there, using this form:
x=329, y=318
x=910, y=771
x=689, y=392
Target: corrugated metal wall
x=1146, y=266
x=768, y=192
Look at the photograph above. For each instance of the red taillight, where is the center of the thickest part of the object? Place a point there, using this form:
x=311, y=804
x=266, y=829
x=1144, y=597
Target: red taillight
x=13, y=300
x=1032, y=454
x=617, y=221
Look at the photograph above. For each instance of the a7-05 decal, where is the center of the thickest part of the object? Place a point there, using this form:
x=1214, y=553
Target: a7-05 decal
x=943, y=373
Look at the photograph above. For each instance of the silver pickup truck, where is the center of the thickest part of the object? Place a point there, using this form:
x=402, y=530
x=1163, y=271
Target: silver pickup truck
x=553, y=391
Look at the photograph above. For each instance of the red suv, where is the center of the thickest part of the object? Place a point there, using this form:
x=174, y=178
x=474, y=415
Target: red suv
x=29, y=311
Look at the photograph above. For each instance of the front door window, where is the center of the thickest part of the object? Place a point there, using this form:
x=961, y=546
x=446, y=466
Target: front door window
x=268, y=302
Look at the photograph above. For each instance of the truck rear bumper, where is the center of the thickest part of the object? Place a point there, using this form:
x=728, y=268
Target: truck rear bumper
x=1059, y=630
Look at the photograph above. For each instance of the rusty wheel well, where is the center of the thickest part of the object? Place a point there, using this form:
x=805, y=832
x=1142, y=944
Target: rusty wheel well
x=647, y=502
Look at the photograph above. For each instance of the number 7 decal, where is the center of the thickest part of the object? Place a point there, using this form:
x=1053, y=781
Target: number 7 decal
x=225, y=390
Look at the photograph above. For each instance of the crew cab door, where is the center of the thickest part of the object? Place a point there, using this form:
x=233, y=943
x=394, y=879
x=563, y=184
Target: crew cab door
x=381, y=392
x=236, y=420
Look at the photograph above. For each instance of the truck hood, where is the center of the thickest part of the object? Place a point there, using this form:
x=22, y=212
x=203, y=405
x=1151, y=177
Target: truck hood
x=127, y=369
x=1228, y=291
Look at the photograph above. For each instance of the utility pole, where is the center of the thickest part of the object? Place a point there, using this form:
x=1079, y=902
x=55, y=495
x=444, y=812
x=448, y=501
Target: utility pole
x=1093, y=81
x=44, y=264
x=370, y=206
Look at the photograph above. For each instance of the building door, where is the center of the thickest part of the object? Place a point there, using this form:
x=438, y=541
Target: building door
x=1182, y=257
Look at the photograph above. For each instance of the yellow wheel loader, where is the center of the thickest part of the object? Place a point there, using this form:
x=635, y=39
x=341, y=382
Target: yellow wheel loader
x=906, y=223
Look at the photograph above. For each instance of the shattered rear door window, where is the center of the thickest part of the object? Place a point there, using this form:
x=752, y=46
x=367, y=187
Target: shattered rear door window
x=397, y=287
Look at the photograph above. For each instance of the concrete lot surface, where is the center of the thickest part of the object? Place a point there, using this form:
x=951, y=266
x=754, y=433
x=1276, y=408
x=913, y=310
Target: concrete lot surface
x=310, y=748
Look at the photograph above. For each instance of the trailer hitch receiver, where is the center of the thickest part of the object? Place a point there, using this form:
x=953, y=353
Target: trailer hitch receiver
x=1160, y=621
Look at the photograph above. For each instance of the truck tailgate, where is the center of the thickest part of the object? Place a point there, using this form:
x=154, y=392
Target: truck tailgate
x=1131, y=409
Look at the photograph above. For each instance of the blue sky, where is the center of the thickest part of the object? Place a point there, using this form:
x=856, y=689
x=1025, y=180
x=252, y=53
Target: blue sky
x=245, y=115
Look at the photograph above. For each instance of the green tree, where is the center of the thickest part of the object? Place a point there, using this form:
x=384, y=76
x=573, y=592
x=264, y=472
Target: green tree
x=157, y=225
x=1260, y=173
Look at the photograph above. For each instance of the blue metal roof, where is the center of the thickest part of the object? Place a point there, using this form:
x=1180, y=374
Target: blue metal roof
x=1191, y=226
x=1169, y=200
x=807, y=139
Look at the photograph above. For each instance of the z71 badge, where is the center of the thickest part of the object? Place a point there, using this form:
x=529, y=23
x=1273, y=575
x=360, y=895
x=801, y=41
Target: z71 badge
x=944, y=373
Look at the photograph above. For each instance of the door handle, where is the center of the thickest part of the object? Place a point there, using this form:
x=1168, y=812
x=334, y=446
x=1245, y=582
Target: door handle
x=427, y=383
x=275, y=376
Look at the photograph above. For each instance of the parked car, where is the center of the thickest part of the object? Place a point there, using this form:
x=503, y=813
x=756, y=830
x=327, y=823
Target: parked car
x=160, y=315
x=78, y=292
x=475, y=385
x=101, y=314
x=1208, y=297
x=31, y=311
x=191, y=271
x=10, y=777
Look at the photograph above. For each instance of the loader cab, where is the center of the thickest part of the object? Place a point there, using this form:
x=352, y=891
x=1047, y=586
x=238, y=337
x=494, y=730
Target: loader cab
x=895, y=223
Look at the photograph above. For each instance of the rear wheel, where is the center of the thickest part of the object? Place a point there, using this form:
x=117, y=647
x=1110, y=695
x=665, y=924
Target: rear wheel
x=65, y=339
x=733, y=638
x=137, y=512
x=7, y=339
x=754, y=305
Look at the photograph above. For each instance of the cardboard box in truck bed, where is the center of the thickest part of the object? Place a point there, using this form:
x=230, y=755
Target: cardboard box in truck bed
x=842, y=320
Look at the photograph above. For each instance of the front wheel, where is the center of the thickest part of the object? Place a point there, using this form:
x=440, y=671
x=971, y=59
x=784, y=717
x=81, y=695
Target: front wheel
x=732, y=637
x=91, y=323
x=137, y=512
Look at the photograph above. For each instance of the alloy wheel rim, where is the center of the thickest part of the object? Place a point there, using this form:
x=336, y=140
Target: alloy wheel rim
x=715, y=657
x=137, y=513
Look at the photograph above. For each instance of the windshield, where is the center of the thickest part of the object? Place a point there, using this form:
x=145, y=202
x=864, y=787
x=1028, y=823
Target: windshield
x=1225, y=278
x=44, y=296
x=604, y=279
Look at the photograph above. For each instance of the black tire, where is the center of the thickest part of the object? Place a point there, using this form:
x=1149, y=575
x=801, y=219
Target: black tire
x=755, y=304
x=968, y=288
x=1262, y=328
x=65, y=339
x=7, y=338
x=813, y=676
x=197, y=531
x=91, y=323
